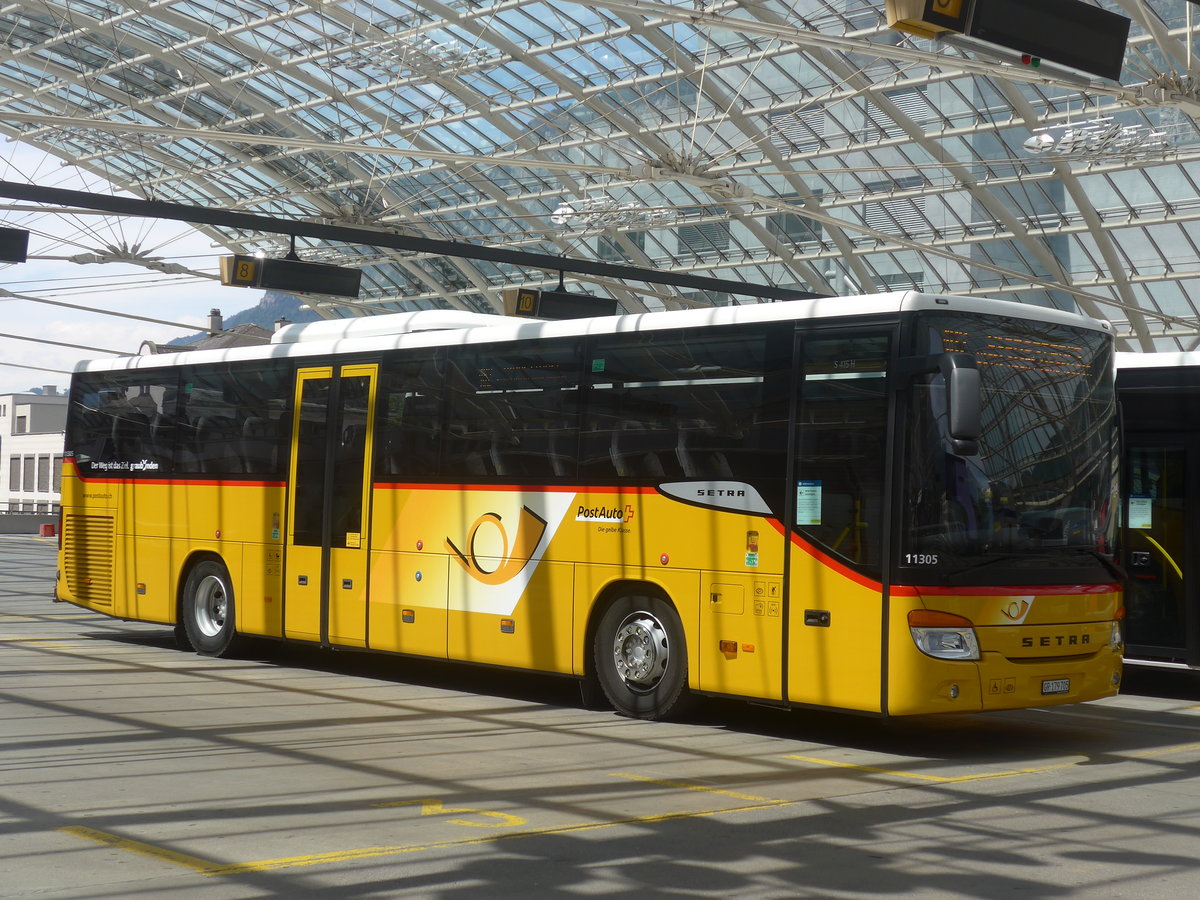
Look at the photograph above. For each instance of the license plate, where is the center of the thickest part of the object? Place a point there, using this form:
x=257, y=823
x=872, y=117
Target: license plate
x=1056, y=686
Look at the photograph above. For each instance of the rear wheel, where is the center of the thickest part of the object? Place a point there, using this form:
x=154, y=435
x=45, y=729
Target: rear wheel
x=207, y=608
x=640, y=657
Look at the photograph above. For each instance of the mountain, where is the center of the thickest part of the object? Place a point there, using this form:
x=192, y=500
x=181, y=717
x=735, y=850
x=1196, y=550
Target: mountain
x=271, y=307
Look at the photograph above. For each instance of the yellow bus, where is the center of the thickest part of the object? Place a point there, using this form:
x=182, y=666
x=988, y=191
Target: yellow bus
x=895, y=504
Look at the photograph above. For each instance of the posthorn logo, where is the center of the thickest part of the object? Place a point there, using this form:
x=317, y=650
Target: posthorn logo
x=512, y=557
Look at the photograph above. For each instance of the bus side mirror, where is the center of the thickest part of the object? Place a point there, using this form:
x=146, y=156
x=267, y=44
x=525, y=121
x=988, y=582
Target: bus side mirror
x=964, y=401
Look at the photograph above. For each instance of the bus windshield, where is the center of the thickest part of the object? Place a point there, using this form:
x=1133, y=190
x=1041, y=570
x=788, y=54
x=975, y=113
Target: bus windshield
x=1038, y=500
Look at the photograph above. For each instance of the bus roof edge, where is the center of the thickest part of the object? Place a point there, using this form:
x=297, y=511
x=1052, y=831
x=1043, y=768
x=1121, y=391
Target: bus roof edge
x=391, y=323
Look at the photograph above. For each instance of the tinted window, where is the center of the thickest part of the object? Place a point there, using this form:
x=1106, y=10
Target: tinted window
x=233, y=420
x=506, y=412
x=312, y=443
x=513, y=411
x=123, y=423
x=841, y=436
x=410, y=423
x=704, y=404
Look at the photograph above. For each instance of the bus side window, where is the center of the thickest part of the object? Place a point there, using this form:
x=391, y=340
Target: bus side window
x=121, y=423
x=233, y=422
x=700, y=404
x=410, y=418
x=513, y=411
x=841, y=436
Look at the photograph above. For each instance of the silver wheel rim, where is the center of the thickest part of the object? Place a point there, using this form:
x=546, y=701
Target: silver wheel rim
x=641, y=650
x=212, y=606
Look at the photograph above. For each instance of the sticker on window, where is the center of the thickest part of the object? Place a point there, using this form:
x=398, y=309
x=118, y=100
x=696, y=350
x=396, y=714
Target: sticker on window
x=808, y=502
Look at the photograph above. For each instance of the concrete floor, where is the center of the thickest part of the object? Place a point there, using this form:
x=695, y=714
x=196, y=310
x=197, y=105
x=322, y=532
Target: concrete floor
x=130, y=769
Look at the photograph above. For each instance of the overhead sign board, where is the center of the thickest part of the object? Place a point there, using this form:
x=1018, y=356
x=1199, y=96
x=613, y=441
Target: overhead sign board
x=1068, y=32
x=290, y=276
x=531, y=303
x=14, y=245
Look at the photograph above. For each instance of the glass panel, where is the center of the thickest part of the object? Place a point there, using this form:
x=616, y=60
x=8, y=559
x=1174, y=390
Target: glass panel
x=703, y=404
x=1035, y=505
x=233, y=421
x=311, y=441
x=411, y=429
x=842, y=441
x=123, y=423
x=349, y=456
x=1156, y=615
x=513, y=411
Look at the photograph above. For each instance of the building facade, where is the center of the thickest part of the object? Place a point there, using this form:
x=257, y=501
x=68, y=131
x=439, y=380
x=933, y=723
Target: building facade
x=32, y=428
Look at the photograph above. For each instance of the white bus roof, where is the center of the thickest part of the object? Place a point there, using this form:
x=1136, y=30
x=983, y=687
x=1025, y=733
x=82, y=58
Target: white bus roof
x=434, y=328
x=1175, y=360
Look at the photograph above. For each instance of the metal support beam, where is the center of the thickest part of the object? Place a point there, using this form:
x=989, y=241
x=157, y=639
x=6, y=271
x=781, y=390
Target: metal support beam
x=154, y=209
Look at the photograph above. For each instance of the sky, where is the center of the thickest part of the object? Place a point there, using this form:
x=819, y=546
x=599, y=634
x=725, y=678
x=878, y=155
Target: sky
x=124, y=289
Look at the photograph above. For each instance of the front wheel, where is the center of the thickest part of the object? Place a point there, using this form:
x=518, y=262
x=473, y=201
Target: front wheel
x=640, y=658
x=206, y=609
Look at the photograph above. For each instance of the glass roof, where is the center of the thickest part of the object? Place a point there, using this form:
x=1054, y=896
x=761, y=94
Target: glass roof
x=800, y=144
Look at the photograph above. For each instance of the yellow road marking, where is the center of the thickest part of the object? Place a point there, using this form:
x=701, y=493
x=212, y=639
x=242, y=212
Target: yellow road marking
x=435, y=808
x=36, y=642
x=937, y=779
x=683, y=785
x=1162, y=751
x=203, y=866
x=758, y=804
x=207, y=868
x=367, y=852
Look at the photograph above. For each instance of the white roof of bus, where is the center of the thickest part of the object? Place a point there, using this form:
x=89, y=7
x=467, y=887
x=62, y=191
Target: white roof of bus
x=433, y=328
x=1158, y=360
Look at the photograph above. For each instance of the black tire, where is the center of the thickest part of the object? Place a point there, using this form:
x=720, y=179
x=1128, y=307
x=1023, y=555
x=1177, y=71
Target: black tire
x=206, y=609
x=182, y=641
x=640, y=658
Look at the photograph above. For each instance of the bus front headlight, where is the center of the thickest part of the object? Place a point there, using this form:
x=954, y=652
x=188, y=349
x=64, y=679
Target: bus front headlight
x=943, y=635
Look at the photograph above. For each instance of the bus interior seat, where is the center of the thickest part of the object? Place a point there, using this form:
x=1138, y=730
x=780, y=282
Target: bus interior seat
x=257, y=446
x=216, y=443
x=637, y=451
x=163, y=437
x=696, y=460
x=130, y=431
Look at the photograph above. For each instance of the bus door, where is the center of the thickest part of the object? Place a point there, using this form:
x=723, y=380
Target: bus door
x=325, y=596
x=836, y=612
x=1160, y=546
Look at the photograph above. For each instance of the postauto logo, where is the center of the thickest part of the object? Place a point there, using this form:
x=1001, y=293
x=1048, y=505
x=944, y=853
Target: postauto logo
x=513, y=555
x=613, y=514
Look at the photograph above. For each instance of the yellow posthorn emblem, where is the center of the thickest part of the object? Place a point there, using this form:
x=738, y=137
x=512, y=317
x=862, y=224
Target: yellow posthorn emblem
x=530, y=529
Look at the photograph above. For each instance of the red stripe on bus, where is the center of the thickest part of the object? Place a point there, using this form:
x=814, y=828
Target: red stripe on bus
x=1016, y=590
x=533, y=489
x=828, y=561
x=910, y=590
x=174, y=482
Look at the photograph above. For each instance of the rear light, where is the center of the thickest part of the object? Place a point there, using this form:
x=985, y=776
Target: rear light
x=943, y=635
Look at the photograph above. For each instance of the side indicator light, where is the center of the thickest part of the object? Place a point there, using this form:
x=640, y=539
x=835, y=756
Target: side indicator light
x=408, y=615
x=141, y=587
x=747, y=648
x=508, y=626
x=729, y=648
